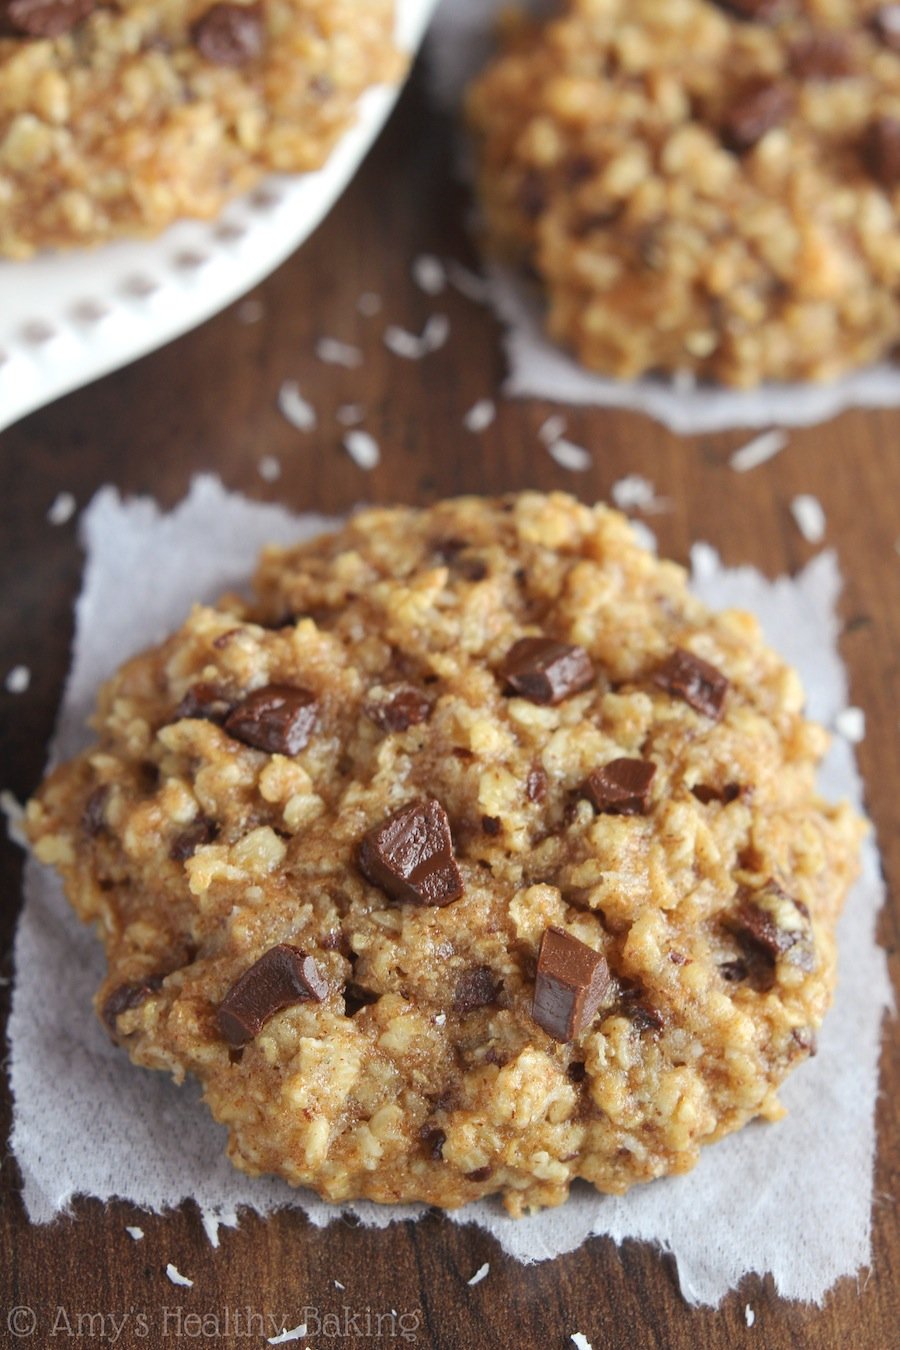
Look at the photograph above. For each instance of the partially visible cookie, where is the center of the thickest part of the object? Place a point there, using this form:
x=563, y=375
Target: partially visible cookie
x=472, y=857
x=120, y=119
x=709, y=186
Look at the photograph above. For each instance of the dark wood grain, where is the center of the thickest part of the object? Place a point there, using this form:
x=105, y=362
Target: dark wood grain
x=208, y=402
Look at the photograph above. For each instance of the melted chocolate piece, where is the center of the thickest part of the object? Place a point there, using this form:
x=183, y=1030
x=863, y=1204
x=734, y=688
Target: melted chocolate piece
x=185, y=845
x=126, y=997
x=480, y=1174
x=621, y=787
x=775, y=924
x=881, y=150
x=727, y=794
x=545, y=671
x=410, y=856
x=230, y=35
x=204, y=702
x=572, y=982
x=433, y=1141
x=699, y=684
x=283, y=976
x=475, y=988
x=43, y=18
x=491, y=825
x=754, y=113
x=404, y=708
x=824, y=56
x=356, y=997
x=278, y=719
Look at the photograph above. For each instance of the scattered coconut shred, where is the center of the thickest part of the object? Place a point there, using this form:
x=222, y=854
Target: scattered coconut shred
x=295, y=1334
x=636, y=493
x=809, y=516
x=412, y=346
x=335, y=353
x=18, y=680
x=749, y=1315
x=362, y=449
x=580, y=1341
x=481, y=415
x=294, y=408
x=62, y=508
x=429, y=274
x=758, y=451
x=14, y=812
x=135, y=1233
x=176, y=1277
x=569, y=456
x=851, y=724
x=479, y=1275
x=269, y=469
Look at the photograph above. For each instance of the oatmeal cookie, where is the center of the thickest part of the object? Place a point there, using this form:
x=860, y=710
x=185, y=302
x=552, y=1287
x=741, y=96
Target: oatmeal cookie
x=119, y=119
x=473, y=856
x=707, y=186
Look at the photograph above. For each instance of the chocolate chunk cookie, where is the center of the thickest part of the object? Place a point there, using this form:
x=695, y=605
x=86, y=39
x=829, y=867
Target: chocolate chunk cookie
x=476, y=881
x=711, y=186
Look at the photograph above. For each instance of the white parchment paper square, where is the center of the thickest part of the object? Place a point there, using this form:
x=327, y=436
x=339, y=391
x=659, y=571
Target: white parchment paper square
x=794, y=1198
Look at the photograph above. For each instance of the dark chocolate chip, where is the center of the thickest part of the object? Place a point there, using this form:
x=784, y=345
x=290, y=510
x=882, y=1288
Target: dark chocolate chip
x=536, y=785
x=93, y=817
x=278, y=719
x=126, y=997
x=572, y=981
x=755, y=112
x=881, y=150
x=283, y=976
x=433, y=1140
x=706, y=794
x=43, y=18
x=356, y=997
x=475, y=988
x=204, y=702
x=699, y=684
x=410, y=855
x=453, y=553
x=621, y=787
x=886, y=24
x=824, y=56
x=491, y=825
x=546, y=671
x=643, y=1017
x=480, y=1174
x=230, y=35
x=577, y=1071
x=775, y=924
x=404, y=707
x=756, y=11
x=185, y=845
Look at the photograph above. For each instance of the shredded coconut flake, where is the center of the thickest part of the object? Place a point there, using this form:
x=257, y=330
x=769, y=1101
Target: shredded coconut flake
x=338, y=1285
x=15, y=816
x=362, y=449
x=176, y=1277
x=851, y=724
x=295, y=1334
x=18, y=680
x=369, y=304
x=430, y=274
x=636, y=493
x=809, y=515
x=569, y=456
x=479, y=1274
x=134, y=1232
x=553, y=429
x=350, y=414
x=480, y=415
x=335, y=353
x=250, y=311
x=413, y=347
x=580, y=1341
x=62, y=508
x=440, y=1019
x=294, y=408
x=749, y=1315
x=762, y=448
x=269, y=468
x=474, y=287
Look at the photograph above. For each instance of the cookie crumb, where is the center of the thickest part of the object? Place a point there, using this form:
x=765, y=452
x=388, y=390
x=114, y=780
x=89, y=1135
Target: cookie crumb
x=412, y=346
x=269, y=469
x=336, y=353
x=429, y=274
x=809, y=516
x=362, y=449
x=18, y=680
x=762, y=448
x=636, y=493
x=481, y=415
x=569, y=456
x=851, y=724
x=479, y=1275
x=294, y=408
x=62, y=508
x=749, y=1315
x=295, y=1334
x=134, y=1232
x=176, y=1277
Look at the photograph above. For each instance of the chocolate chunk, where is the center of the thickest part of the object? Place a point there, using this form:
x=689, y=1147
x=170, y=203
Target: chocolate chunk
x=754, y=113
x=356, y=997
x=621, y=787
x=734, y=971
x=881, y=150
x=204, y=702
x=643, y=1017
x=93, y=817
x=475, y=988
x=278, y=719
x=824, y=56
x=283, y=976
x=706, y=794
x=536, y=785
x=230, y=35
x=775, y=924
x=185, y=845
x=491, y=825
x=572, y=982
x=546, y=671
x=757, y=11
x=453, y=552
x=480, y=1174
x=404, y=707
x=577, y=1071
x=886, y=25
x=126, y=997
x=43, y=18
x=688, y=677
x=410, y=856
x=433, y=1140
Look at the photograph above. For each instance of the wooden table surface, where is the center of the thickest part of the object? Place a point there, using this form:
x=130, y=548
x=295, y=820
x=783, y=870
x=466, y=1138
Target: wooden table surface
x=208, y=402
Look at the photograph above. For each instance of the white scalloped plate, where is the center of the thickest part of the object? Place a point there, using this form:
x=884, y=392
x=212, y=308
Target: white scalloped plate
x=67, y=318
